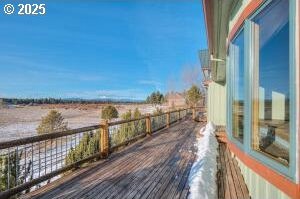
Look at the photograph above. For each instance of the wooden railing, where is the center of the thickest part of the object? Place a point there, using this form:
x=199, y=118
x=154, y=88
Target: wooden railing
x=31, y=161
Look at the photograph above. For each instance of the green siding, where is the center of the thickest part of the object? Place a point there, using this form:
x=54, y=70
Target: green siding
x=216, y=105
x=259, y=187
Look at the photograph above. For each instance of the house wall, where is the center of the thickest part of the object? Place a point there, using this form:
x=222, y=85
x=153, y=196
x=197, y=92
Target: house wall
x=216, y=103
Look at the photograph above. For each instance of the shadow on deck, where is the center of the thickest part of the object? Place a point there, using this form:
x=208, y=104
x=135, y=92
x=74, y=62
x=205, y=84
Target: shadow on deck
x=155, y=167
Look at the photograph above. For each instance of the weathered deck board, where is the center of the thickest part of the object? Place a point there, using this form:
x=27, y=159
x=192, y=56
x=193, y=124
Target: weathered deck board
x=231, y=183
x=156, y=167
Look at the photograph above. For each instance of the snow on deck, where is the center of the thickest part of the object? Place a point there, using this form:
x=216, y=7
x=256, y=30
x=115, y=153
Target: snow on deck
x=202, y=178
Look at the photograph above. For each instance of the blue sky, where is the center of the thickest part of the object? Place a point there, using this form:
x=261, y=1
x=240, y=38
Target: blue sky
x=115, y=49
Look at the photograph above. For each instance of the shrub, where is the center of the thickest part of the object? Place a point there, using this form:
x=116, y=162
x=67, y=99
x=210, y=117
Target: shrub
x=88, y=145
x=109, y=112
x=17, y=173
x=129, y=130
x=53, y=122
x=158, y=111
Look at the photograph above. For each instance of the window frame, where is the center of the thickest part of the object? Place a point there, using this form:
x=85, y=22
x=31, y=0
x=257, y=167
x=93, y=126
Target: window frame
x=232, y=69
x=290, y=169
x=230, y=90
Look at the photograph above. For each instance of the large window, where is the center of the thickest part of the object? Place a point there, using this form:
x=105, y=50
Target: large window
x=237, y=56
x=271, y=96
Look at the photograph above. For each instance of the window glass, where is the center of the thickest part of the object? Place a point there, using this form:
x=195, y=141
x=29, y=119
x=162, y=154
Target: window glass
x=271, y=102
x=237, y=56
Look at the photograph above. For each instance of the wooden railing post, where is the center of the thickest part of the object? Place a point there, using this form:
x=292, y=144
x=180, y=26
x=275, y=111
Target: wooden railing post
x=194, y=113
x=148, y=125
x=168, y=119
x=104, y=139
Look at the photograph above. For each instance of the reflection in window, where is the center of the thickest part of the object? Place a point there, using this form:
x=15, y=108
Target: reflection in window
x=237, y=56
x=271, y=81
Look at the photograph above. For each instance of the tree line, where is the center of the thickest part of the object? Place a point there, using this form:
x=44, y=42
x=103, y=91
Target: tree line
x=26, y=101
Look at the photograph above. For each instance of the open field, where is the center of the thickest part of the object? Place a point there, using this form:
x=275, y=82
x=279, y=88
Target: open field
x=22, y=121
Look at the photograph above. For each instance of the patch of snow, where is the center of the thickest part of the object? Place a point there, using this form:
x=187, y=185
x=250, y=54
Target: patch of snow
x=202, y=178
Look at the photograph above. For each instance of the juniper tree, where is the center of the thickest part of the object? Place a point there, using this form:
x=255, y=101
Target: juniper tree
x=52, y=122
x=109, y=112
x=193, y=95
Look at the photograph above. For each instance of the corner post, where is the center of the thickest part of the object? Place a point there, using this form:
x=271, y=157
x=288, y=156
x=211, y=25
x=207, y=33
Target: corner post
x=104, y=139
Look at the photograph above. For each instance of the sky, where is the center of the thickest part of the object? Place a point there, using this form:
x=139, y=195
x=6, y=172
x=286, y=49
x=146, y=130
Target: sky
x=99, y=49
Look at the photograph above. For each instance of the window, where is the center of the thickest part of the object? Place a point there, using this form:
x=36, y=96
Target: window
x=271, y=96
x=237, y=56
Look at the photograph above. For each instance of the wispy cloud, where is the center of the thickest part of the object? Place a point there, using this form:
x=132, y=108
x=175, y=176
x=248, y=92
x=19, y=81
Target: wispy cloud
x=25, y=63
x=150, y=82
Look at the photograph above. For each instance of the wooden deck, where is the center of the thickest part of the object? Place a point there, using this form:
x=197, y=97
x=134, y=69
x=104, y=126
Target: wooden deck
x=156, y=167
x=231, y=184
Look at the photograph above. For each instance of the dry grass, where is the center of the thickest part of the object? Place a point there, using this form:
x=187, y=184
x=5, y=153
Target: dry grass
x=22, y=121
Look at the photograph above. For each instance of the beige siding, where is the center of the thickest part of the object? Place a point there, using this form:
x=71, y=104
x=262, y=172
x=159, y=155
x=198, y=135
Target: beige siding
x=259, y=187
x=216, y=105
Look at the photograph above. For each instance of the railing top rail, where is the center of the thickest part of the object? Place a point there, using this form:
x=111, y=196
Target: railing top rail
x=37, y=138
x=143, y=117
x=159, y=114
x=125, y=121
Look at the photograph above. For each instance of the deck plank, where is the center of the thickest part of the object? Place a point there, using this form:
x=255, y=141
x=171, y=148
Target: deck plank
x=159, y=170
x=157, y=166
x=231, y=183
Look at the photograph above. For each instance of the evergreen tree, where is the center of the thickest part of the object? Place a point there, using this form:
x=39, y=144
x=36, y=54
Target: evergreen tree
x=53, y=122
x=109, y=112
x=129, y=130
x=193, y=95
x=155, y=98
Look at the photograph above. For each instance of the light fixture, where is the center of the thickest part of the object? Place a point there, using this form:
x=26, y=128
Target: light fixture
x=216, y=59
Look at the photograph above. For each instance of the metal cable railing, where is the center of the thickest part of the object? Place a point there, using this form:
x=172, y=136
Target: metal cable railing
x=159, y=121
x=30, y=161
x=121, y=133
